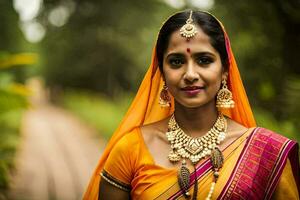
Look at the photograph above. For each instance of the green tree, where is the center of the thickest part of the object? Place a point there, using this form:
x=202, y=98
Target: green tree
x=265, y=40
x=105, y=45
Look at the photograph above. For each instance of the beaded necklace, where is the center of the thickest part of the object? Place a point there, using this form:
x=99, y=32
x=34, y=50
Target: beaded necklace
x=185, y=147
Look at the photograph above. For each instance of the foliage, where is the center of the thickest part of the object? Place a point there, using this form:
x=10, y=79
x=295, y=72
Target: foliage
x=267, y=120
x=105, y=45
x=20, y=59
x=13, y=93
x=99, y=111
x=10, y=33
x=12, y=105
x=9, y=140
x=265, y=41
x=13, y=101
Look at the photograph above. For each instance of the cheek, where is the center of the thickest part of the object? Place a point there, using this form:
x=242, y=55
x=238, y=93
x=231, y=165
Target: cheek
x=214, y=79
x=171, y=80
x=170, y=75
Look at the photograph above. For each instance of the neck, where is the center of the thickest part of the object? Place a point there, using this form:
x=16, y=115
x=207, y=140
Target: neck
x=196, y=122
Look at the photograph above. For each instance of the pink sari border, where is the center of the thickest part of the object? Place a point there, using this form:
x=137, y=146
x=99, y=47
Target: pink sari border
x=260, y=166
x=237, y=165
x=280, y=166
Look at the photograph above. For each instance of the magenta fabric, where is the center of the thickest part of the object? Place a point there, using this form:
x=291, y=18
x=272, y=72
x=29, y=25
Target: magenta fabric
x=260, y=166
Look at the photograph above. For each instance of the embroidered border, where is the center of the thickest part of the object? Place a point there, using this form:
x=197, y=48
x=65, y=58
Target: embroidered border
x=115, y=182
x=257, y=166
x=232, y=180
x=279, y=168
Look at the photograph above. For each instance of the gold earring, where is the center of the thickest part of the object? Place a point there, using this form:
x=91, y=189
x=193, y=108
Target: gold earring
x=164, y=98
x=224, y=97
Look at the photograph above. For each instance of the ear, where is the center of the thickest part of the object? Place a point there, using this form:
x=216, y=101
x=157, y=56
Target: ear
x=224, y=75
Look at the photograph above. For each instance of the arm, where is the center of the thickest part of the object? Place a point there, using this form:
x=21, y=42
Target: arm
x=117, y=173
x=109, y=191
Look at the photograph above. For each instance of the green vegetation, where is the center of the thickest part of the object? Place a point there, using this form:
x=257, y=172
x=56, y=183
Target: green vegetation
x=267, y=120
x=13, y=102
x=99, y=111
x=9, y=141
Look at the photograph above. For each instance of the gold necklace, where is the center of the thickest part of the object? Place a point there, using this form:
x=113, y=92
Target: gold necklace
x=185, y=147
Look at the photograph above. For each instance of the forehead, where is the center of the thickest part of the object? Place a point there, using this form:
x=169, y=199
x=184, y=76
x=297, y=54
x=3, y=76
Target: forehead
x=200, y=42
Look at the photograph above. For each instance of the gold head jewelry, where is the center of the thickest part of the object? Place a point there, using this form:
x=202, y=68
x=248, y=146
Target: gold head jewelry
x=189, y=29
x=224, y=97
x=185, y=147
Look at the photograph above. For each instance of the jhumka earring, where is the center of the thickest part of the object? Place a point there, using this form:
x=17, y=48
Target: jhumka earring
x=164, y=98
x=224, y=97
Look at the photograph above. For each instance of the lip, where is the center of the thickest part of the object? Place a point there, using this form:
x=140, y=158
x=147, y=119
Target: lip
x=192, y=90
x=187, y=88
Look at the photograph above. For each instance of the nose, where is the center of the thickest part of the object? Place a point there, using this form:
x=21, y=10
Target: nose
x=191, y=75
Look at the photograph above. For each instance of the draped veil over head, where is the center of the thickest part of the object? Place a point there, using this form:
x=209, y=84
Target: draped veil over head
x=145, y=109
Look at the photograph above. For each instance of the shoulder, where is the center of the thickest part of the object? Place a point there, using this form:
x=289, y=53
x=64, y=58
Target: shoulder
x=271, y=142
x=122, y=159
x=154, y=130
x=234, y=126
x=128, y=142
x=235, y=130
x=124, y=152
x=264, y=133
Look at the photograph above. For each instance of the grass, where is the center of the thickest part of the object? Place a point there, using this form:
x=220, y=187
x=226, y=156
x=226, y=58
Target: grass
x=97, y=110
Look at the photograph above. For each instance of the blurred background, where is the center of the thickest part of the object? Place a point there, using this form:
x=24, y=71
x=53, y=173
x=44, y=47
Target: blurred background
x=69, y=70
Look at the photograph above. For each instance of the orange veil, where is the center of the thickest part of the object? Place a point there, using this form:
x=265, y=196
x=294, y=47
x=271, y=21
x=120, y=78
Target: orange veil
x=145, y=109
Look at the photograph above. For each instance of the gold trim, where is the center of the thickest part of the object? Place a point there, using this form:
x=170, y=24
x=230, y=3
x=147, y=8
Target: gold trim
x=115, y=182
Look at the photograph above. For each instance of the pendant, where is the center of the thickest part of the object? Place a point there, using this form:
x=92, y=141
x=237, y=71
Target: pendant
x=184, y=179
x=217, y=158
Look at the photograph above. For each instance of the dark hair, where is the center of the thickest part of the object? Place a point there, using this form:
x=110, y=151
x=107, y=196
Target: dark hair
x=207, y=23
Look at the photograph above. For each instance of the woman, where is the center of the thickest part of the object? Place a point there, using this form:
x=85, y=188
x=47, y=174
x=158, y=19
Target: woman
x=201, y=141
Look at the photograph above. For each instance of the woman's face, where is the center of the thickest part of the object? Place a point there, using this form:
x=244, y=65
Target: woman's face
x=192, y=69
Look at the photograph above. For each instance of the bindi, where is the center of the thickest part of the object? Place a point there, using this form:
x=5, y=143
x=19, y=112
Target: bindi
x=188, y=50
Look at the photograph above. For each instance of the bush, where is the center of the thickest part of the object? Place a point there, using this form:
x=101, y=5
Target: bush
x=12, y=107
x=13, y=102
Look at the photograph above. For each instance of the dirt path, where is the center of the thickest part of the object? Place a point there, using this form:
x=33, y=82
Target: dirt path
x=56, y=158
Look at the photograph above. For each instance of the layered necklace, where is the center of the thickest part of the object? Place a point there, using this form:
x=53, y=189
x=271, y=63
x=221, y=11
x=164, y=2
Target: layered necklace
x=185, y=147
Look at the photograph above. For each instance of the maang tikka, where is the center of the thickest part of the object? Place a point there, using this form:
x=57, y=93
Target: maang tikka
x=164, y=97
x=224, y=97
x=189, y=29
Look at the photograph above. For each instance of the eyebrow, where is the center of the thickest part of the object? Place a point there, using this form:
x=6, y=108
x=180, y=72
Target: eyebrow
x=193, y=54
x=175, y=55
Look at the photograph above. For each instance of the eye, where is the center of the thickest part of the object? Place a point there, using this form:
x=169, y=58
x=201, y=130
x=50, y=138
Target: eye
x=176, y=62
x=204, y=60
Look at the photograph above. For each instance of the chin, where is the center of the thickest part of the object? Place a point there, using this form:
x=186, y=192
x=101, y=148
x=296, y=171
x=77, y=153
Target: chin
x=192, y=104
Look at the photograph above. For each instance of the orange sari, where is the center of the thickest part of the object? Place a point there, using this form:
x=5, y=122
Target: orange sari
x=253, y=164
x=158, y=182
